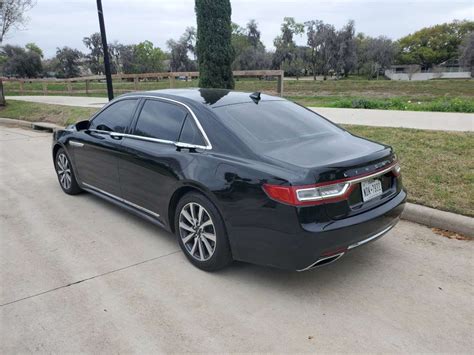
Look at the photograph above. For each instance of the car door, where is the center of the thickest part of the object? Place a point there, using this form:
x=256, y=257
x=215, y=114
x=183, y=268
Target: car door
x=153, y=164
x=96, y=150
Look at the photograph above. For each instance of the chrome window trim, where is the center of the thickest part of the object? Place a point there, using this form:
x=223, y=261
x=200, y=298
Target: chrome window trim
x=150, y=139
x=156, y=215
x=208, y=145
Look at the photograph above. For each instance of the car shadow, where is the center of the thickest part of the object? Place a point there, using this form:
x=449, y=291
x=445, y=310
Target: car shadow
x=354, y=268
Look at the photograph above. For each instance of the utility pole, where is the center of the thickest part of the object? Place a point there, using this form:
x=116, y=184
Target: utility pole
x=108, y=74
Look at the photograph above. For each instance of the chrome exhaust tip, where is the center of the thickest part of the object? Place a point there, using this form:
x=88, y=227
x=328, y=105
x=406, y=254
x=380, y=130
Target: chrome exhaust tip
x=324, y=261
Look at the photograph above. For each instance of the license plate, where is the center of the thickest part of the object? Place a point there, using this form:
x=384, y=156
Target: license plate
x=371, y=189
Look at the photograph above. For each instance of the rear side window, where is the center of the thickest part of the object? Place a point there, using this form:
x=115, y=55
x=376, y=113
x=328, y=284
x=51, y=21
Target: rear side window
x=190, y=133
x=115, y=118
x=160, y=120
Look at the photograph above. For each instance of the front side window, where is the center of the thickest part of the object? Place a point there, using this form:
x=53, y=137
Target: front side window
x=116, y=117
x=160, y=120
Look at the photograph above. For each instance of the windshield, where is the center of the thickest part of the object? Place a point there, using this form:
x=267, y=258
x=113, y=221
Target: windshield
x=272, y=124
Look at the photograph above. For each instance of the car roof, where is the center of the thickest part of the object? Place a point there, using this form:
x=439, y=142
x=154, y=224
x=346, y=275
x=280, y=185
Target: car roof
x=208, y=97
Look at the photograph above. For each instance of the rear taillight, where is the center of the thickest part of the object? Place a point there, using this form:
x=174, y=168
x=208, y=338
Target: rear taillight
x=308, y=195
x=332, y=191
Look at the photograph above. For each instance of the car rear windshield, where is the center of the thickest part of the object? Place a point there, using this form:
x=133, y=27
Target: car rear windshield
x=271, y=124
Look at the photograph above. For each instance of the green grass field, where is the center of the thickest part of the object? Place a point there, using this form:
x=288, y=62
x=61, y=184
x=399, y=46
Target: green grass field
x=34, y=112
x=438, y=169
x=431, y=95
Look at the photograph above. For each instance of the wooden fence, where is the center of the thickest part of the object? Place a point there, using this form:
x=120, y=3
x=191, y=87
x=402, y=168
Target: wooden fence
x=136, y=79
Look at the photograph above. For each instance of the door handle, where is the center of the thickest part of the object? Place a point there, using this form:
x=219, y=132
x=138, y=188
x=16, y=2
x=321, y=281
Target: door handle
x=116, y=136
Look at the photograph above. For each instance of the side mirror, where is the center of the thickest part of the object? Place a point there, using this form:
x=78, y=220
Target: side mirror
x=82, y=125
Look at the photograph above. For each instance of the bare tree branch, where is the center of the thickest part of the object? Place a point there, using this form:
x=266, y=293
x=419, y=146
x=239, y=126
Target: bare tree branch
x=12, y=15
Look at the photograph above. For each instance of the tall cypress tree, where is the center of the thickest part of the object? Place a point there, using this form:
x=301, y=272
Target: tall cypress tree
x=213, y=45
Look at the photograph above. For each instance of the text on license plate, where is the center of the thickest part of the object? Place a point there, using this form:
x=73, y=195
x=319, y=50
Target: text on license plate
x=371, y=189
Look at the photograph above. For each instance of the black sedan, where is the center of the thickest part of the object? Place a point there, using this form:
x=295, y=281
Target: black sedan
x=236, y=176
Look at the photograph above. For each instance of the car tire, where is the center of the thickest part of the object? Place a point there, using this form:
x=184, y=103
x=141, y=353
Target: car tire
x=67, y=179
x=201, y=233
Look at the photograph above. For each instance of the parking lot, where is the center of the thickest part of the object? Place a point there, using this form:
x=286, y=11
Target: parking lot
x=81, y=275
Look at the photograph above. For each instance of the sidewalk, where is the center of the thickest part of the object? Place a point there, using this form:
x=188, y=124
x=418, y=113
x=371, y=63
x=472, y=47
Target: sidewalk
x=443, y=121
x=79, y=101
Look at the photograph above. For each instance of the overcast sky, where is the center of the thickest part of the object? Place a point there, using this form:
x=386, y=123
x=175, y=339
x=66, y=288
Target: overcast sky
x=58, y=23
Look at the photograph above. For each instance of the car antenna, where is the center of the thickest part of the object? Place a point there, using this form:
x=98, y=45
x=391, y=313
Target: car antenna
x=255, y=97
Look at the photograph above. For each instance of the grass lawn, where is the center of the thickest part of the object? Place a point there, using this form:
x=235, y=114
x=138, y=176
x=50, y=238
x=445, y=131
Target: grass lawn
x=431, y=95
x=34, y=112
x=438, y=169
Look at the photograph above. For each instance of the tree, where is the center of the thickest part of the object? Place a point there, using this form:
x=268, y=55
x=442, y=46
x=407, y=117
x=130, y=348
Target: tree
x=180, y=50
x=361, y=49
x=12, y=16
x=68, y=62
x=20, y=62
x=213, y=45
x=250, y=53
x=295, y=67
x=374, y=54
x=433, y=45
x=285, y=44
x=96, y=56
x=347, y=53
x=466, y=51
x=125, y=59
x=253, y=34
x=323, y=44
x=148, y=58
x=34, y=48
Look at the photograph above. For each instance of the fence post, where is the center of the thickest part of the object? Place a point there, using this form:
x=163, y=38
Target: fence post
x=280, y=83
x=45, y=88
x=87, y=87
x=172, y=81
x=69, y=87
x=135, y=82
x=22, y=89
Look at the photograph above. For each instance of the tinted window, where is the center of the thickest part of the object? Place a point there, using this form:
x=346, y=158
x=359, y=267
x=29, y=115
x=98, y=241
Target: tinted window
x=273, y=123
x=190, y=133
x=115, y=118
x=160, y=120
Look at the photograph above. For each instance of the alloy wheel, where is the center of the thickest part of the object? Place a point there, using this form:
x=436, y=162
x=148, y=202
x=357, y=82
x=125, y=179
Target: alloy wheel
x=64, y=171
x=197, y=231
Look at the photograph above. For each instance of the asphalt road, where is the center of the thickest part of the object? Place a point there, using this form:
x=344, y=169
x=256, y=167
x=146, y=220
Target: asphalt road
x=80, y=275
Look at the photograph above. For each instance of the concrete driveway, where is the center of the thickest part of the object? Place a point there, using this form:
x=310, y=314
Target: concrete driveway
x=80, y=275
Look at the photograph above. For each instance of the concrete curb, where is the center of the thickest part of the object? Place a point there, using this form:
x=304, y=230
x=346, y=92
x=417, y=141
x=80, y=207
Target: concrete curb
x=429, y=217
x=15, y=122
x=41, y=126
x=439, y=219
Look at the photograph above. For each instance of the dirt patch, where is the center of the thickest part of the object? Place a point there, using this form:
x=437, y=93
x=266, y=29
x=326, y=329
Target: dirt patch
x=450, y=235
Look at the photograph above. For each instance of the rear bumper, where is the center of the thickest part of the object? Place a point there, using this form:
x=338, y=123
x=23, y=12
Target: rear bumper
x=298, y=248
